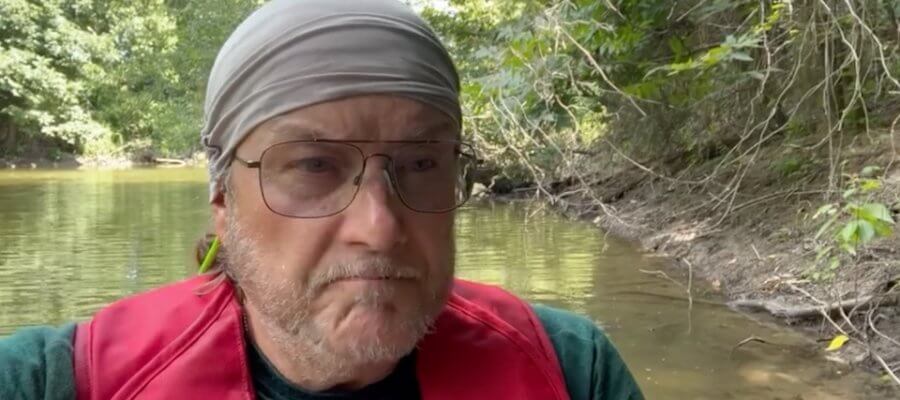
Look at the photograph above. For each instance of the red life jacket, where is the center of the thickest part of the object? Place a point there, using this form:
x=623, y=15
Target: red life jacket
x=172, y=343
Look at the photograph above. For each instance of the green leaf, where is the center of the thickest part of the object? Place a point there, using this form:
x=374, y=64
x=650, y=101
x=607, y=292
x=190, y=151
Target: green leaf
x=851, y=233
x=848, y=233
x=866, y=232
x=877, y=212
x=678, y=48
x=714, y=56
x=869, y=185
x=883, y=229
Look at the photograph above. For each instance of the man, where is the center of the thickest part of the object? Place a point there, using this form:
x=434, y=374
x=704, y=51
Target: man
x=336, y=161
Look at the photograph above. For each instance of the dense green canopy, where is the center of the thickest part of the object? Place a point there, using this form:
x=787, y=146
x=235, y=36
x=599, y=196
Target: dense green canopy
x=543, y=79
x=107, y=76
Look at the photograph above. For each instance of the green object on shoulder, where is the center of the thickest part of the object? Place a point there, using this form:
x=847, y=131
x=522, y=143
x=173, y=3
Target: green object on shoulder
x=210, y=255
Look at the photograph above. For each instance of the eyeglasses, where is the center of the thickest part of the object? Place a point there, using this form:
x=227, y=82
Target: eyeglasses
x=319, y=178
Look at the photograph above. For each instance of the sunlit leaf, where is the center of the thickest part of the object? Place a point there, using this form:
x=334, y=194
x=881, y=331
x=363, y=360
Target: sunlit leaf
x=869, y=185
x=883, y=229
x=878, y=212
x=837, y=342
x=865, y=231
x=850, y=232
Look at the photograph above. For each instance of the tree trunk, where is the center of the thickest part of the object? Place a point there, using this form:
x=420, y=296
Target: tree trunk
x=8, y=133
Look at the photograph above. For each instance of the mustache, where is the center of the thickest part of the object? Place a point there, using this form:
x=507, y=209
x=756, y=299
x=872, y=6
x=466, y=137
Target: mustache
x=376, y=267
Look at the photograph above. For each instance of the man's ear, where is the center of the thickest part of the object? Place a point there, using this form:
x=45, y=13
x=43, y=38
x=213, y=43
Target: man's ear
x=219, y=208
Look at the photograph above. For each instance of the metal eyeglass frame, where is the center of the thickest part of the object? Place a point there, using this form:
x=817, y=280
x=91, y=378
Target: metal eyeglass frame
x=257, y=164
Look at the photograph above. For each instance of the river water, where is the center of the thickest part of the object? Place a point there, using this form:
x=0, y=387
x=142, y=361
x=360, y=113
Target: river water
x=72, y=241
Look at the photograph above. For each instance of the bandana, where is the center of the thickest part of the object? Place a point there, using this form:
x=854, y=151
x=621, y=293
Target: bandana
x=295, y=53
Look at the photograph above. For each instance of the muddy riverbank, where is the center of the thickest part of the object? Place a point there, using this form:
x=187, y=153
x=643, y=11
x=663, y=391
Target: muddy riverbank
x=758, y=248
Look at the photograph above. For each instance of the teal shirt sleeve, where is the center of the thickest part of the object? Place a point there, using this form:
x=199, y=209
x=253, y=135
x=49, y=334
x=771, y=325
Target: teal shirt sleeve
x=36, y=363
x=592, y=366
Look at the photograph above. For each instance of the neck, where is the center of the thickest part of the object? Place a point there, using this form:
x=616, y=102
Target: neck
x=304, y=366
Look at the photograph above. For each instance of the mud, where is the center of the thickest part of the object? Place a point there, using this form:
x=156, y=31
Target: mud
x=757, y=247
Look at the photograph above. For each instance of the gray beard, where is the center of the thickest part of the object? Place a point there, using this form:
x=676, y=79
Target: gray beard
x=284, y=309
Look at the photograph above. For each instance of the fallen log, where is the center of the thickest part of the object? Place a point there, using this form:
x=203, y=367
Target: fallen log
x=780, y=309
x=169, y=161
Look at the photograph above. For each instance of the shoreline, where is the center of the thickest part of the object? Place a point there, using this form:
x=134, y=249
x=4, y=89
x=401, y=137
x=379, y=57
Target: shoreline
x=69, y=161
x=758, y=255
x=754, y=258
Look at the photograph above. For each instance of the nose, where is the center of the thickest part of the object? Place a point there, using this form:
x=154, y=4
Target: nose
x=385, y=173
x=373, y=219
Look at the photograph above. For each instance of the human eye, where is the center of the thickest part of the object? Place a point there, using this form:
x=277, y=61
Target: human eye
x=312, y=165
x=424, y=158
x=422, y=164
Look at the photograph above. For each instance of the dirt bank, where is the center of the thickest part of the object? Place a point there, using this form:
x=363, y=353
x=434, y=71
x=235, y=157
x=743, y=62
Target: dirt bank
x=757, y=247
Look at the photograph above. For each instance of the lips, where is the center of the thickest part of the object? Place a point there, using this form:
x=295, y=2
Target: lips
x=373, y=270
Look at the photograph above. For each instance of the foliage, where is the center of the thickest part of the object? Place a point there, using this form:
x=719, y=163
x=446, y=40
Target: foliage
x=850, y=224
x=699, y=81
x=544, y=82
x=708, y=79
x=97, y=76
x=47, y=64
x=203, y=25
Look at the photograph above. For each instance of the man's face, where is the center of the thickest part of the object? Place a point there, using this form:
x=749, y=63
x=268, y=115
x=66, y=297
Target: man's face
x=362, y=284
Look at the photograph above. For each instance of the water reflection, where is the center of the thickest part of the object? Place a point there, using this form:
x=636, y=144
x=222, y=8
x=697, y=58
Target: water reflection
x=675, y=350
x=72, y=241
x=541, y=259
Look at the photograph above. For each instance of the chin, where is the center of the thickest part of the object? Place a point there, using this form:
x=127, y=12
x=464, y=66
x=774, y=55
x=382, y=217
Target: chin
x=379, y=330
x=379, y=320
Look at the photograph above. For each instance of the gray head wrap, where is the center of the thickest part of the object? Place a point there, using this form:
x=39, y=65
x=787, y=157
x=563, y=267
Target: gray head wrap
x=295, y=53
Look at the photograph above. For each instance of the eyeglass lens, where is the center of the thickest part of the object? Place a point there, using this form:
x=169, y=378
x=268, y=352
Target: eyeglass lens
x=315, y=179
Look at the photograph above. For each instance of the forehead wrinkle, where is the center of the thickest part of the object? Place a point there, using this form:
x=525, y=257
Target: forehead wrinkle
x=439, y=130
x=300, y=129
x=285, y=128
x=361, y=118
